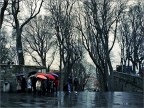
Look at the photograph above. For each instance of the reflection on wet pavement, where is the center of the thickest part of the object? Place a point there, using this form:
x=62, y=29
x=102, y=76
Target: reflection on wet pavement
x=81, y=100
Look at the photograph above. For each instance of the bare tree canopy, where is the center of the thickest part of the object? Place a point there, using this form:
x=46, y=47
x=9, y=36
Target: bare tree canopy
x=99, y=23
x=131, y=37
x=39, y=38
x=33, y=11
x=75, y=30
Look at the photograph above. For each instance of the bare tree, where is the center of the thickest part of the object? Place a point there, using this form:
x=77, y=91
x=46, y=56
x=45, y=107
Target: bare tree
x=33, y=7
x=39, y=40
x=63, y=21
x=132, y=36
x=99, y=22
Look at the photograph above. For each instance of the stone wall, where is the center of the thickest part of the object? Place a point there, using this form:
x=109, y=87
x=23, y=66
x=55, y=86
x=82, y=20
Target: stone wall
x=8, y=74
x=127, y=82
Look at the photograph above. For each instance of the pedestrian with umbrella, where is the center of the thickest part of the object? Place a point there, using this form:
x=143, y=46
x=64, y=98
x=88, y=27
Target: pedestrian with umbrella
x=56, y=83
x=70, y=84
x=38, y=86
x=34, y=80
x=18, y=87
x=47, y=82
x=51, y=83
x=23, y=84
x=29, y=85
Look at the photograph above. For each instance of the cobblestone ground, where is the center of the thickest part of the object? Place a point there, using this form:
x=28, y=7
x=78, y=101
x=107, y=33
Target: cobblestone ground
x=80, y=100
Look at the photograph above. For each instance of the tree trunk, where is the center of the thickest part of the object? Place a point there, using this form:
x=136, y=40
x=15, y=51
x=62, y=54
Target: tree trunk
x=60, y=68
x=43, y=61
x=140, y=70
x=110, y=81
x=19, y=48
x=5, y=4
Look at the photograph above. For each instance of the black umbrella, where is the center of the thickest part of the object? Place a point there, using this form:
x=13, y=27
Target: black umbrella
x=56, y=75
x=20, y=74
x=32, y=73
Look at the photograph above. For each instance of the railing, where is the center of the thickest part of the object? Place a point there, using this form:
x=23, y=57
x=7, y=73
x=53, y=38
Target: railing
x=128, y=82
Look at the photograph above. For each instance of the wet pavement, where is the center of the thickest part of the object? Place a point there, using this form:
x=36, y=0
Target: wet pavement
x=81, y=100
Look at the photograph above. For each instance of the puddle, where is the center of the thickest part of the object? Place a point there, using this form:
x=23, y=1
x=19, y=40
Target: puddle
x=116, y=104
x=26, y=105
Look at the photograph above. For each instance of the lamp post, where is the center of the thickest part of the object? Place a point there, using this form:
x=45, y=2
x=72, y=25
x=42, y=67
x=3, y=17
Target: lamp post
x=1, y=41
x=19, y=52
x=20, y=55
x=3, y=70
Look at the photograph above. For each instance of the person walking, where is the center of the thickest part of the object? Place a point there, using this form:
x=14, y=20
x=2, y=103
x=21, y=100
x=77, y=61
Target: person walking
x=76, y=82
x=51, y=86
x=34, y=80
x=43, y=87
x=69, y=84
x=18, y=88
x=56, y=83
x=29, y=85
x=23, y=84
x=38, y=87
x=47, y=85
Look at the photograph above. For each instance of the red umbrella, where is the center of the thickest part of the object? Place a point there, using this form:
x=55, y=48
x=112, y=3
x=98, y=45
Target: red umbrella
x=41, y=76
x=50, y=76
x=39, y=73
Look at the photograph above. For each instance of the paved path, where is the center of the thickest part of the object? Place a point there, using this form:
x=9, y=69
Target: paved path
x=81, y=100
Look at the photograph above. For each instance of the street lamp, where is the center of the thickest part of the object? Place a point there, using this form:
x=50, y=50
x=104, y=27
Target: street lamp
x=19, y=50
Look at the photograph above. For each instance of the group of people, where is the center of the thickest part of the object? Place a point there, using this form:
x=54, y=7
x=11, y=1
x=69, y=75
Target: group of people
x=45, y=86
x=71, y=85
x=37, y=85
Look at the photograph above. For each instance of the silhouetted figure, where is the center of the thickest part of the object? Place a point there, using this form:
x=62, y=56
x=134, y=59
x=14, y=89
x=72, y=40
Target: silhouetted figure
x=47, y=85
x=65, y=88
x=18, y=88
x=76, y=82
x=38, y=87
x=29, y=85
x=43, y=87
x=34, y=79
x=69, y=84
x=56, y=83
x=51, y=86
x=23, y=84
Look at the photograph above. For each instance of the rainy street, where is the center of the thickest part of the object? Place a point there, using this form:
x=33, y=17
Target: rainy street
x=52, y=49
x=84, y=99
